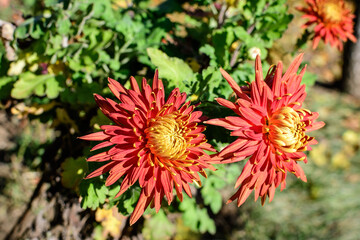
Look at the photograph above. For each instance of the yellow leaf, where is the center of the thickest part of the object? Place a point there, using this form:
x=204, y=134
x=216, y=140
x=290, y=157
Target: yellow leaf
x=318, y=155
x=340, y=160
x=111, y=220
x=351, y=137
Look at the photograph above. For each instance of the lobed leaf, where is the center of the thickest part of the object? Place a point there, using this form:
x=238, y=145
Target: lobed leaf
x=173, y=69
x=29, y=83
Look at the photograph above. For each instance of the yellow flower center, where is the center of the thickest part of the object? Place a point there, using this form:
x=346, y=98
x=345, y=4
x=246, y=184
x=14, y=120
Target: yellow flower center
x=286, y=130
x=166, y=137
x=332, y=12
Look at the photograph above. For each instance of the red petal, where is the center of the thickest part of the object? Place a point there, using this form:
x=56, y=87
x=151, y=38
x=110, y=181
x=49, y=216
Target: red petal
x=100, y=157
x=244, y=174
x=231, y=82
x=98, y=136
x=102, y=145
x=141, y=206
x=134, y=84
x=116, y=88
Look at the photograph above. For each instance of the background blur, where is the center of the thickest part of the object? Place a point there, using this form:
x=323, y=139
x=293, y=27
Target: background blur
x=31, y=203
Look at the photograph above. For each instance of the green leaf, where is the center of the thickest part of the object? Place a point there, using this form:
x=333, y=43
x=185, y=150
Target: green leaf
x=128, y=200
x=104, y=56
x=195, y=217
x=210, y=51
x=30, y=83
x=210, y=190
x=73, y=172
x=211, y=80
x=75, y=65
x=114, y=189
x=54, y=45
x=173, y=69
x=222, y=39
x=158, y=227
x=63, y=26
x=114, y=65
x=93, y=192
x=21, y=31
x=36, y=30
x=244, y=73
x=206, y=224
x=106, y=37
x=212, y=197
x=52, y=88
x=242, y=34
x=49, y=3
x=82, y=94
x=309, y=79
x=190, y=217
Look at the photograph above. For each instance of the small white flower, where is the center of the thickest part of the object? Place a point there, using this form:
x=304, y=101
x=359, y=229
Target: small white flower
x=253, y=52
x=16, y=67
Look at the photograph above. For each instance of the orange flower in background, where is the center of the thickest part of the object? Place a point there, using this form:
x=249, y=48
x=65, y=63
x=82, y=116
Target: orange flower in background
x=334, y=22
x=271, y=127
x=156, y=143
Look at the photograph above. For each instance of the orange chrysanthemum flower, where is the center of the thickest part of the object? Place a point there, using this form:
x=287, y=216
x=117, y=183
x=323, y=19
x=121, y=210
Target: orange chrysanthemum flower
x=271, y=127
x=334, y=22
x=157, y=143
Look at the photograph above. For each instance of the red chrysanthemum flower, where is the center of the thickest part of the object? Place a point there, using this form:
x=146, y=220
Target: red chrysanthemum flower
x=271, y=128
x=157, y=143
x=334, y=22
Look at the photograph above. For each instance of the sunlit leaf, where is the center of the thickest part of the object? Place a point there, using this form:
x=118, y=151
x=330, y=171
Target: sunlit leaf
x=30, y=83
x=175, y=70
x=158, y=227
